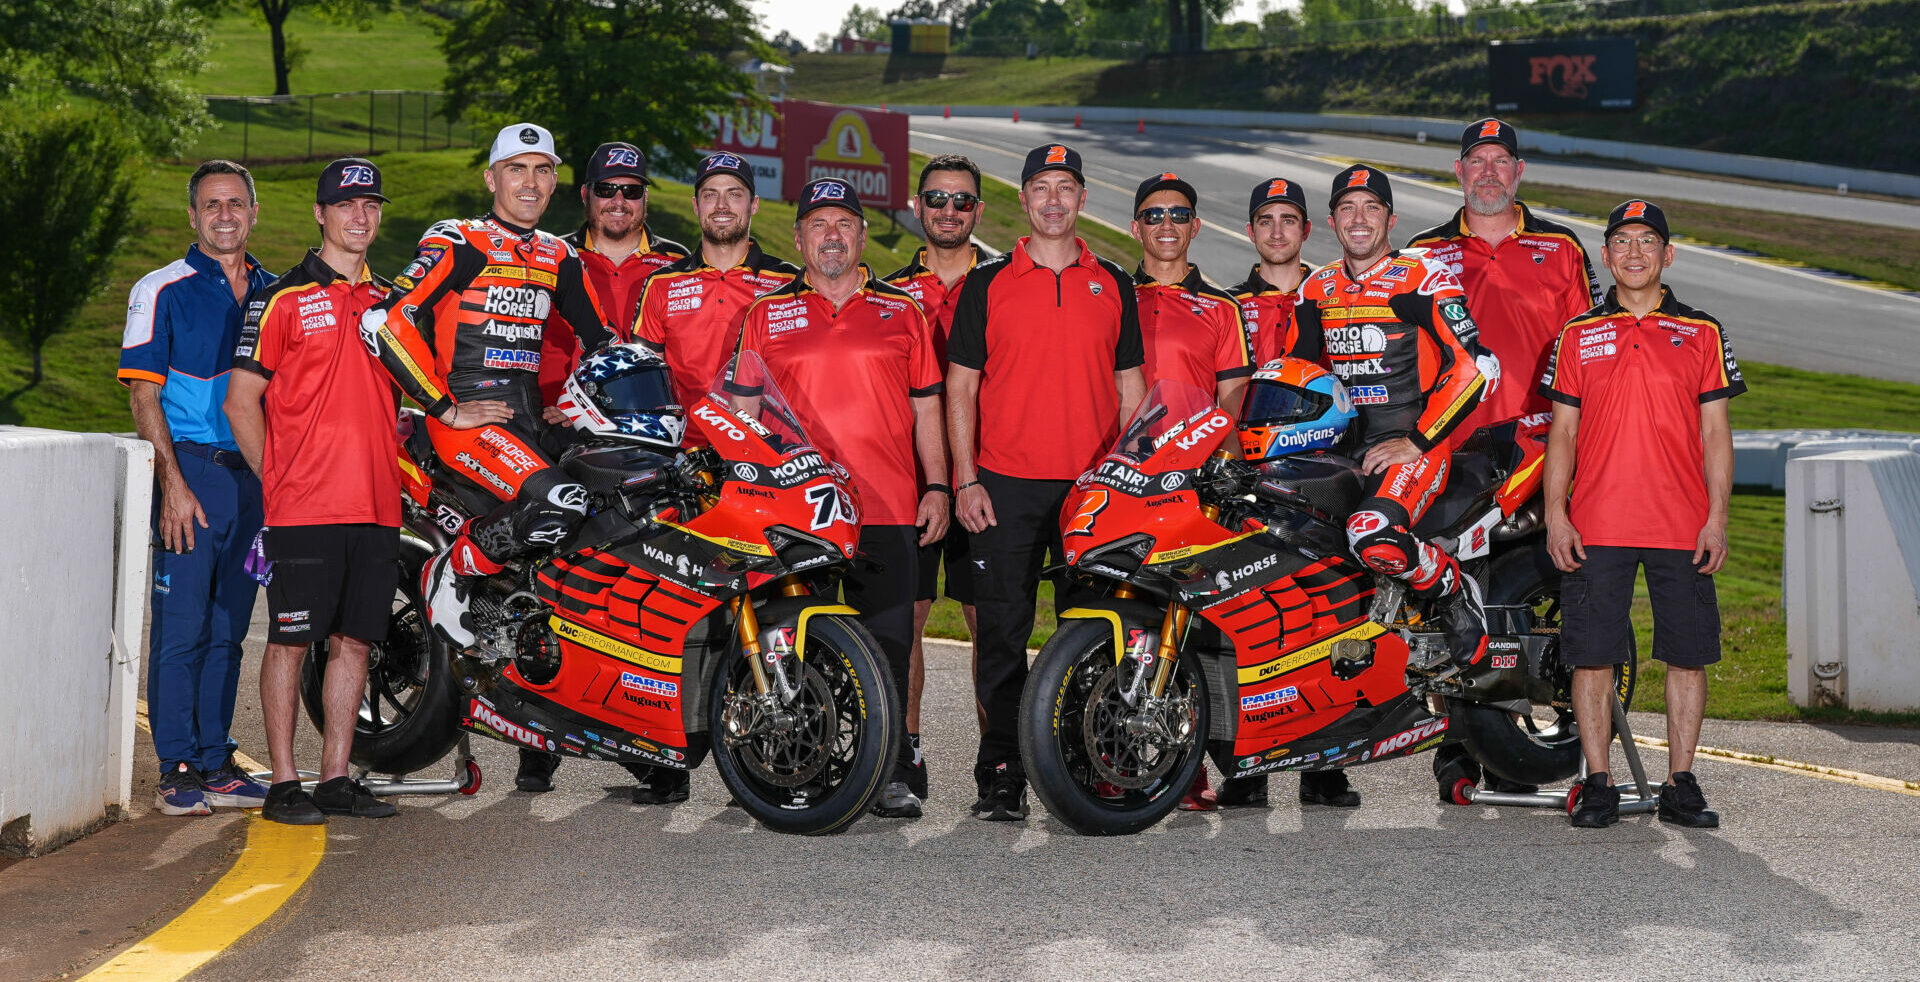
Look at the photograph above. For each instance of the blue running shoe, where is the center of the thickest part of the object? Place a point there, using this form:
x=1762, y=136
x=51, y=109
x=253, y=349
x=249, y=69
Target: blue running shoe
x=180, y=792
x=227, y=786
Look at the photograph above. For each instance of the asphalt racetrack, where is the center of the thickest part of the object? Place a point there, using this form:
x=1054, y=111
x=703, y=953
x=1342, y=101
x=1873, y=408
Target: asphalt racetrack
x=1773, y=314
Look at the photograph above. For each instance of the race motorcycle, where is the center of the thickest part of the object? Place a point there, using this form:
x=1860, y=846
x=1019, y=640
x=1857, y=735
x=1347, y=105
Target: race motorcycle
x=692, y=611
x=1237, y=624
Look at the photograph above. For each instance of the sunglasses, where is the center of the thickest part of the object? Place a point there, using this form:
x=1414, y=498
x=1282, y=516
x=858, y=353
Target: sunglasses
x=962, y=201
x=607, y=189
x=1179, y=214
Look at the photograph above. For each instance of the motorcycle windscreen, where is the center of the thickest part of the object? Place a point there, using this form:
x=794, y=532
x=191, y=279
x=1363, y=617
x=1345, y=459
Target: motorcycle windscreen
x=1172, y=410
x=747, y=387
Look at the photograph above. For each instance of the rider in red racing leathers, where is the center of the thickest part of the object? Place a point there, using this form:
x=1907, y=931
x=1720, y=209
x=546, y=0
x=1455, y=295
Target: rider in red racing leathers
x=461, y=336
x=1395, y=328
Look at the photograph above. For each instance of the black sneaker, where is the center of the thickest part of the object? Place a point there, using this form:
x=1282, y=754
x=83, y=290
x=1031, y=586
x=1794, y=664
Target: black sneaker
x=1242, y=792
x=1598, y=804
x=536, y=771
x=660, y=785
x=916, y=772
x=1681, y=803
x=896, y=801
x=289, y=804
x=1328, y=788
x=346, y=796
x=1005, y=798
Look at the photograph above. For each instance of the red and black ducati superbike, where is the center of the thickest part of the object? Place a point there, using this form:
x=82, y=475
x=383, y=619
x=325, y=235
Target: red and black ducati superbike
x=686, y=615
x=1239, y=625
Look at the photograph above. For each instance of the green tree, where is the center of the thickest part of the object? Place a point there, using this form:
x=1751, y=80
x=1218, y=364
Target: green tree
x=66, y=187
x=864, y=22
x=132, y=58
x=286, y=51
x=646, y=71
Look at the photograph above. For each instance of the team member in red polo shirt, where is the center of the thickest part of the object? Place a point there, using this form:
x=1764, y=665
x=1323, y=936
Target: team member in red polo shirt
x=1191, y=329
x=690, y=310
x=1640, y=385
x=314, y=412
x=1278, y=226
x=1396, y=329
x=948, y=205
x=616, y=249
x=855, y=355
x=1524, y=275
x=1044, y=363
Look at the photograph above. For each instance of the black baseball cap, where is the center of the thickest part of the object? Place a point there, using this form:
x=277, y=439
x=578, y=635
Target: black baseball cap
x=346, y=179
x=828, y=192
x=1489, y=130
x=1168, y=181
x=717, y=164
x=617, y=160
x=1276, y=189
x=1361, y=177
x=1637, y=212
x=1052, y=156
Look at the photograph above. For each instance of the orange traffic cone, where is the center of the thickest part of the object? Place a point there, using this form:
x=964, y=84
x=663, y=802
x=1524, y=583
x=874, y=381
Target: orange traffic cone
x=1142, y=128
x=1076, y=121
x=1016, y=115
x=947, y=113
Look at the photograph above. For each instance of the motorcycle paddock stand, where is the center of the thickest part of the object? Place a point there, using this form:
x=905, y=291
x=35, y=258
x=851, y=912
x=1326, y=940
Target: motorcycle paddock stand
x=1649, y=796
x=464, y=780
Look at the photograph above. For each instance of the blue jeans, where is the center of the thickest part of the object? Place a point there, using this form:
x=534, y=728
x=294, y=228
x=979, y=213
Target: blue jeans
x=202, y=604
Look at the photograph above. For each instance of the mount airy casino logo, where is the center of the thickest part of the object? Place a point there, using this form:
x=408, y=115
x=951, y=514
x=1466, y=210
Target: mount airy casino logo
x=1566, y=76
x=849, y=153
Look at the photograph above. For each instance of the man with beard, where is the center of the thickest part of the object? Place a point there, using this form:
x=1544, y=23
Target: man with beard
x=617, y=249
x=855, y=355
x=1526, y=276
x=690, y=310
x=1396, y=328
x=948, y=205
x=1044, y=365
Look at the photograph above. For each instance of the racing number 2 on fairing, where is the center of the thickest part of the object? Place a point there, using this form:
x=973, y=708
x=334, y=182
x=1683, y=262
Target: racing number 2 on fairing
x=1090, y=508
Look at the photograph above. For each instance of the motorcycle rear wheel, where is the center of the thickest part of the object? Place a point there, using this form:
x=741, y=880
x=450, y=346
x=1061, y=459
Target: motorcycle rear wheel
x=817, y=776
x=408, y=716
x=1087, y=770
x=1543, y=747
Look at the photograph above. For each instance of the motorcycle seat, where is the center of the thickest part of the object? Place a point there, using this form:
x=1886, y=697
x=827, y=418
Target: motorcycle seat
x=1479, y=462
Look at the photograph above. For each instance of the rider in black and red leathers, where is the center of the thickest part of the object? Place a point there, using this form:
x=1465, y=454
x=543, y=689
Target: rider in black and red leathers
x=461, y=335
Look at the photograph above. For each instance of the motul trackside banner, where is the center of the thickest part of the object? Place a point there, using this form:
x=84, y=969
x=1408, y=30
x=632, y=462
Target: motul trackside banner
x=1561, y=76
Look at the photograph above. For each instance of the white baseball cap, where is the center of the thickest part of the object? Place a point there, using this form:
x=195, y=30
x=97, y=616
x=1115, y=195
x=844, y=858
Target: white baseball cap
x=522, y=138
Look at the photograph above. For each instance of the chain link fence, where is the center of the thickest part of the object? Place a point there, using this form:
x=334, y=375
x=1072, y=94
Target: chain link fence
x=264, y=129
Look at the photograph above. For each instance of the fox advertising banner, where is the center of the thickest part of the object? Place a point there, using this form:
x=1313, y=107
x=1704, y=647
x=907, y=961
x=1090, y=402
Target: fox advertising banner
x=866, y=148
x=1561, y=76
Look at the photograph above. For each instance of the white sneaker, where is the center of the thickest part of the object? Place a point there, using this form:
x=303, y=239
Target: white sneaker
x=446, y=595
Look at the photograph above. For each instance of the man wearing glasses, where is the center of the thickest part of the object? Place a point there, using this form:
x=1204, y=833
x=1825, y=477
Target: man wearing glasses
x=1639, y=386
x=948, y=205
x=617, y=249
x=1044, y=363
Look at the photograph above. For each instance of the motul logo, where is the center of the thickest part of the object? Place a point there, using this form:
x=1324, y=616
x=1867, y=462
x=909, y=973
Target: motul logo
x=1563, y=75
x=1410, y=737
x=510, y=730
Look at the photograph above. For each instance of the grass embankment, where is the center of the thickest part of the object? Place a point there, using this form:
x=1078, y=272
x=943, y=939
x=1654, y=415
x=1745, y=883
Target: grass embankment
x=954, y=80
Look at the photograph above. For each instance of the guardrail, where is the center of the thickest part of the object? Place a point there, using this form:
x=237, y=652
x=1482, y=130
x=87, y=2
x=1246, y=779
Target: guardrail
x=75, y=561
x=1446, y=130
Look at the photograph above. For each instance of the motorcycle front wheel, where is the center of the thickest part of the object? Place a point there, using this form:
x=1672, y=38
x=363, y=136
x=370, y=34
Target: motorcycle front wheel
x=811, y=765
x=1100, y=764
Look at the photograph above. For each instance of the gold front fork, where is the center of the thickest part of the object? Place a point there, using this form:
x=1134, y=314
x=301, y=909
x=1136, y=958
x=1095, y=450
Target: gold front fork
x=748, y=624
x=1173, y=628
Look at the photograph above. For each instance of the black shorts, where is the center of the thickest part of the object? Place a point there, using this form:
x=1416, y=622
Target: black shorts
x=331, y=579
x=1595, y=599
x=950, y=553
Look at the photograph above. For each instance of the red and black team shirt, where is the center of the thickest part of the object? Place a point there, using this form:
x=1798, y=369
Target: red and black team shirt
x=331, y=455
x=1523, y=288
x=617, y=288
x=691, y=312
x=1267, y=312
x=934, y=297
x=852, y=374
x=1639, y=476
x=1191, y=331
x=1046, y=345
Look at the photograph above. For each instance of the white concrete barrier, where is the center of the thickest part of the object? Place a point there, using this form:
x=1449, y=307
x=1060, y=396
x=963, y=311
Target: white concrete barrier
x=1851, y=580
x=74, y=564
x=1760, y=456
x=1680, y=158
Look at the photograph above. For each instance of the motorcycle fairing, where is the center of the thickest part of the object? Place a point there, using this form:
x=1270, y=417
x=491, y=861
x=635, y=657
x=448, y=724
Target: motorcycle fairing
x=529, y=720
x=1398, y=728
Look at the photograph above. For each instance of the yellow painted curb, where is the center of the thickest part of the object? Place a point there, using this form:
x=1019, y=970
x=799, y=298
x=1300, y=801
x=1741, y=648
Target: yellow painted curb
x=1799, y=767
x=276, y=862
